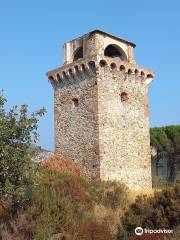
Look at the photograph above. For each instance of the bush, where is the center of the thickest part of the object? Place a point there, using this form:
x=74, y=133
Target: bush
x=16, y=227
x=110, y=194
x=59, y=203
x=57, y=164
x=17, y=131
x=175, y=235
x=93, y=231
x=160, y=211
x=62, y=201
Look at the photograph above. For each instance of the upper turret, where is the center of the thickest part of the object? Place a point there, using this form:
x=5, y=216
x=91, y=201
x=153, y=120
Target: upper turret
x=99, y=43
x=98, y=49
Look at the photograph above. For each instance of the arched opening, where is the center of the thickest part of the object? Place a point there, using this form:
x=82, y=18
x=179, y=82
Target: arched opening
x=122, y=68
x=78, y=53
x=71, y=72
x=83, y=67
x=136, y=72
x=76, y=68
x=113, y=66
x=115, y=52
x=59, y=78
x=129, y=71
x=149, y=76
x=102, y=63
x=75, y=102
x=142, y=74
x=92, y=64
x=124, y=97
x=51, y=78
x=64, y=75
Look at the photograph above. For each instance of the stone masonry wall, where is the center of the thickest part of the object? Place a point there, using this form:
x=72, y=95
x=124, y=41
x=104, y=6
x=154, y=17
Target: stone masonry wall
x=76, y=127
x=123, y=128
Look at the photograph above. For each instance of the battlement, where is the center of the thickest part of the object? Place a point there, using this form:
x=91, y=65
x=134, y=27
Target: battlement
x=88, y=67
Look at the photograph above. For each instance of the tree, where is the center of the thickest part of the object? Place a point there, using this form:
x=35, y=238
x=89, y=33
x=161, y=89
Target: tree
x=167, y=140
x=17, y=132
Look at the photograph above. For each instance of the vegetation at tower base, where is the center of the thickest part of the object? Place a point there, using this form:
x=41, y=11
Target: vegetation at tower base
x=54, y=198
x=67, y=204
x=17, y=131
x=157, y=212
x=167, y=139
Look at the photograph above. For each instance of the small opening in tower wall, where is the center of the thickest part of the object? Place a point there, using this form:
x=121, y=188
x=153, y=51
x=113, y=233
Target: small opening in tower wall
x=113, y=66
x=78, y=53
x=124, y=97
x=75, y=102
x=122, y=68
x=103, y=63
x=113, y=51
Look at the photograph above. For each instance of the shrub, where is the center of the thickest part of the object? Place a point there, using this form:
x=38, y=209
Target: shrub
x=57, y=164
x=160, y=211
x=175, y=235
x=110, y=194
x=16, y=227
x=59, y=202
x=62, y=201
x=156, y=236
x=93, y=231
x=17, y=131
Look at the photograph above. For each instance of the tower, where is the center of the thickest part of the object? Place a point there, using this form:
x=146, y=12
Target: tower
x=101, y=109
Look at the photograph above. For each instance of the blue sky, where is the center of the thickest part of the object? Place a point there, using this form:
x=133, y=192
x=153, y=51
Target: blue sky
x=32, y=34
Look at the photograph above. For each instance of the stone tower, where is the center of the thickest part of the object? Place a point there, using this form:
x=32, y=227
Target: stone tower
x=101, y=109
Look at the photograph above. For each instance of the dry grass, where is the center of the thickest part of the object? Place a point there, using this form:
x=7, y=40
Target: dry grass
x=93, y=230
x=108, y=215
x=135, y=193
x=57, y=164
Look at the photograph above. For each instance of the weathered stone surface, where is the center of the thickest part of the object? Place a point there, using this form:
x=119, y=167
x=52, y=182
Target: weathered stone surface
x=101, y=111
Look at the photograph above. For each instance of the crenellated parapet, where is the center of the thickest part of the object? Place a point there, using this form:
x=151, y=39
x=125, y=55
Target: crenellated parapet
x=87, y=68
x=77, y=70
x=145, y=74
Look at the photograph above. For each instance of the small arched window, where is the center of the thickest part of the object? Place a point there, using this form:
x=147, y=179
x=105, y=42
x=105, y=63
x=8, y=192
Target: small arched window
x=75, y=102
x=124, y=97
x=103, y=63
x=78, y=53
x=114, y=51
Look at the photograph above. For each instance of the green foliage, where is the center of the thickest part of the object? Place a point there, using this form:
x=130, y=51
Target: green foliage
x=110, y=194
x=17, y=131
x=167, y=140
x=64, y=203
x=61, y=202
x=160, y=211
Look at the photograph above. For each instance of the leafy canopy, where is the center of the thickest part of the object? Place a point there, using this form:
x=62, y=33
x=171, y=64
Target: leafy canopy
x=166, y=139
x=18, y=131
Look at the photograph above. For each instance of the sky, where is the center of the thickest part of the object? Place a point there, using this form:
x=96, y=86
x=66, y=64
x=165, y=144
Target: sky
x=32, y=34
